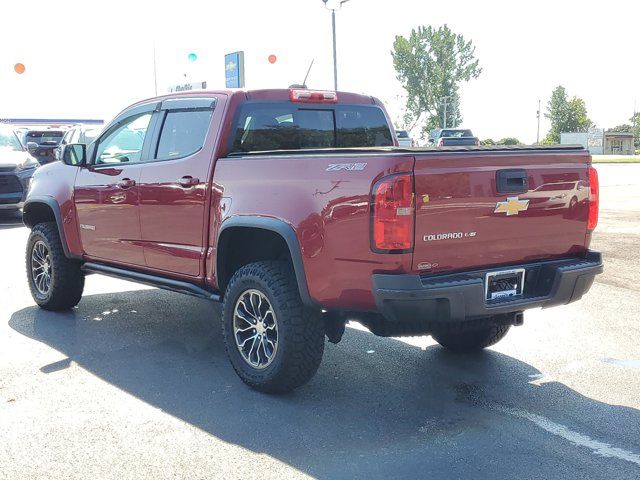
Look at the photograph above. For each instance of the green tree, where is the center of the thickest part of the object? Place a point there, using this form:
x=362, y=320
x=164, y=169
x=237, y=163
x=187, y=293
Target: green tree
x=430, y=64
x=625, y=127
x=509, y=141
x=565, y=115
x=488, y=141
x=635, y=122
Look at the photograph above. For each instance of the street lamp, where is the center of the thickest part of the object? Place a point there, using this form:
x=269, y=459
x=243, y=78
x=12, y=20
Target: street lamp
x=333, y=24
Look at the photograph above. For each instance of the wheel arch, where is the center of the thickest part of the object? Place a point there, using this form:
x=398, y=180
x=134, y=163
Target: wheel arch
x=283, y=231
x=45, y=209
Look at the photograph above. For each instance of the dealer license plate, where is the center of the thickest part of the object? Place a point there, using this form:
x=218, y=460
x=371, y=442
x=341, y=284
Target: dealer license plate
x=504, y=284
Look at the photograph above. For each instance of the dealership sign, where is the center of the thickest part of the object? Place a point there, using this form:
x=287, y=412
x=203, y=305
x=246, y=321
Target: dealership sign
x=185, y=87
x=234, y=70
x=595, y=137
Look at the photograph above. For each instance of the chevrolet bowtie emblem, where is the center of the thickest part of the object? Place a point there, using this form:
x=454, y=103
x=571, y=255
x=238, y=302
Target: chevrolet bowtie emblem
x=512, y=206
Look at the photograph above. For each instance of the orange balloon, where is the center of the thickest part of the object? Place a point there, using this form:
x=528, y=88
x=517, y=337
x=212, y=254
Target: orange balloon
x=19, y=68
x=272, y=58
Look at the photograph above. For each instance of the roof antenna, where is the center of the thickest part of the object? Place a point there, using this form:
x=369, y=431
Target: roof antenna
x=304, y=82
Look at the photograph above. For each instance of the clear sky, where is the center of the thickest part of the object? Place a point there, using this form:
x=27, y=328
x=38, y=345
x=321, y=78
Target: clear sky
x=92, y=58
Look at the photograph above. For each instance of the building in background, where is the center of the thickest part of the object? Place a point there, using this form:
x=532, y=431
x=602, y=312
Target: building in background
x=618, y=143
x=592, y=140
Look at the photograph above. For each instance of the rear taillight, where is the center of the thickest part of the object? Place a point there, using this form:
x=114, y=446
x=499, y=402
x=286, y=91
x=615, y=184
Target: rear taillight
x=392, y=214
x=594, y=199
x=312, y=96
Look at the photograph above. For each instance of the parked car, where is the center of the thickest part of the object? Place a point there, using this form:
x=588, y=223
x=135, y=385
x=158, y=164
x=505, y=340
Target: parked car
x=16, y=168
x=78, y=134
x=452, y=137
x=404, y=140
x=293, y=209
x=42, y=143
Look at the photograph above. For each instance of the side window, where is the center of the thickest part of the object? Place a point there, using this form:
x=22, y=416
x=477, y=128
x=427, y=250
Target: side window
x=124, y=144
x=183, y=133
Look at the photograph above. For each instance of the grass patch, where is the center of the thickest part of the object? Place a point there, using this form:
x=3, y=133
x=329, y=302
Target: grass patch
x=616, y=158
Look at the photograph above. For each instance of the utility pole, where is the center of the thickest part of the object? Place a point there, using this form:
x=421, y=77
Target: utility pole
x=155, y=73
x=335, y=57
x=444, y=111
x=635, y=123
x=333, y=28
x=538, y=135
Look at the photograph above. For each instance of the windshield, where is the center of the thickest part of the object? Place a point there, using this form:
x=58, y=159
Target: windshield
x=551, y=187
x=44, y=137
x=456, y=133
x=8, y=140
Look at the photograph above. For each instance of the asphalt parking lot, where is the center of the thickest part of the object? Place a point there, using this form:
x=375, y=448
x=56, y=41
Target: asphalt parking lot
x=134, y=383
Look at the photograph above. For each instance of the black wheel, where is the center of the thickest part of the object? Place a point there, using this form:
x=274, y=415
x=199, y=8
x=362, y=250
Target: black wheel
x=274, y=342
x=471, y=340
x=56, y=282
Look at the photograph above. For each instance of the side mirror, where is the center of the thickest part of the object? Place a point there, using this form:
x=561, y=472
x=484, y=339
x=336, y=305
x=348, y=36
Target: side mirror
x=32, y=146
x=74, y=154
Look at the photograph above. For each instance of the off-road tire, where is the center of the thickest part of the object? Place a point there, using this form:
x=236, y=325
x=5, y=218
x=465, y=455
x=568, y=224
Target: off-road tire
x=67, y=279
x=471, y=340
x=300, y=329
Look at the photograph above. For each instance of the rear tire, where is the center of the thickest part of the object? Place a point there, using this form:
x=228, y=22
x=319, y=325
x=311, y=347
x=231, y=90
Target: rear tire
x=275, y=343
x=56, y=282
x=471, y=340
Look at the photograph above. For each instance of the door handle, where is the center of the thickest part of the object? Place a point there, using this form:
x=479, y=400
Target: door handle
x=126, y=183
x=188, y=181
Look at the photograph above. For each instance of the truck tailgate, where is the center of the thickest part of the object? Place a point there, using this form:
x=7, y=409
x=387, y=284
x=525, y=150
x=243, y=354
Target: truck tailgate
x=470, y=214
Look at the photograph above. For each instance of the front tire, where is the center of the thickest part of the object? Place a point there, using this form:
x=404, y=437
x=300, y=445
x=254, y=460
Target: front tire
x=471, y=340
x=56, y=282
x=275, y=343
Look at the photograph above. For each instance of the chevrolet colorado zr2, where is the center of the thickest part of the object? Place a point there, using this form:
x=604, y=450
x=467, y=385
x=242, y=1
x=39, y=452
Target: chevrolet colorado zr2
x=298, y=211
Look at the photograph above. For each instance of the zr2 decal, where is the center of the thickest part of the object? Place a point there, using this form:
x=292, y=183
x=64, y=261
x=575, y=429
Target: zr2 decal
x=334, y=167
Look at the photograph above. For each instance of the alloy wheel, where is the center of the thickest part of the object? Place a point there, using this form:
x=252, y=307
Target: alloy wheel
x=41, y=267
x=255, y=328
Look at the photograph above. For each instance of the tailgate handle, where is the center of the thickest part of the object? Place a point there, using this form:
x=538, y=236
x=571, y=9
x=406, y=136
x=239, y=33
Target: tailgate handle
x=512, y=180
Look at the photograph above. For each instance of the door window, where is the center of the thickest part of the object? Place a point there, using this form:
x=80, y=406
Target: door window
x=183, y=133
x=124, y=144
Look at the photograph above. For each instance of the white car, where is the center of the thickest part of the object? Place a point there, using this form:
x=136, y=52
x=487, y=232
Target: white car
x=559, y=195
x=404, y=140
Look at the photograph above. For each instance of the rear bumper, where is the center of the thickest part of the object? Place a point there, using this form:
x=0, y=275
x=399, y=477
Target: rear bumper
x=461, y=296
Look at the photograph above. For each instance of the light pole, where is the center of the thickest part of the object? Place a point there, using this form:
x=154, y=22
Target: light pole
x=538, y=135
x=445, y=99
x=333, y=25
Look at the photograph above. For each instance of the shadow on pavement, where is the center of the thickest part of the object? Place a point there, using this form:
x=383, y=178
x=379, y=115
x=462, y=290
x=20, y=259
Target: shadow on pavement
x=377, y=407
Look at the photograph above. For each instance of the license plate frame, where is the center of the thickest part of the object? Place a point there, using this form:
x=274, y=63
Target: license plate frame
x=491, y=279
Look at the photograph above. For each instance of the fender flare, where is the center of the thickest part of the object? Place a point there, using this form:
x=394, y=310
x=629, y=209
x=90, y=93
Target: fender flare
x=286, y=231
x=55, y=208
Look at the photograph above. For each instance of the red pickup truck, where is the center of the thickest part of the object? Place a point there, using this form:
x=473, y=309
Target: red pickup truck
x=298, y=211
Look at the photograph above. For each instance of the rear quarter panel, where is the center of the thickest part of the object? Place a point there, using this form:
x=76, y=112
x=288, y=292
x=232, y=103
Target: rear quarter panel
x=329, y=211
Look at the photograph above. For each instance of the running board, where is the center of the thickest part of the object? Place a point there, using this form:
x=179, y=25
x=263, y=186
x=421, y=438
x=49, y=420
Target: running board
x=152, y=280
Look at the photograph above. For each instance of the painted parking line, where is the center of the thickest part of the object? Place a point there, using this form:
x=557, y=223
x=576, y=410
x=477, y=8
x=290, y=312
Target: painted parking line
x=597, y=447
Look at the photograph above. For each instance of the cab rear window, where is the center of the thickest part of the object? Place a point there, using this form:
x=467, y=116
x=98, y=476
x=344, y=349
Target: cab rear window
x=286, y=126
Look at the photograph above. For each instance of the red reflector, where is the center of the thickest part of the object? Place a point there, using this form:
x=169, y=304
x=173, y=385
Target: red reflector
x=393, y=213
x=594, y=199
x=312, y=96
